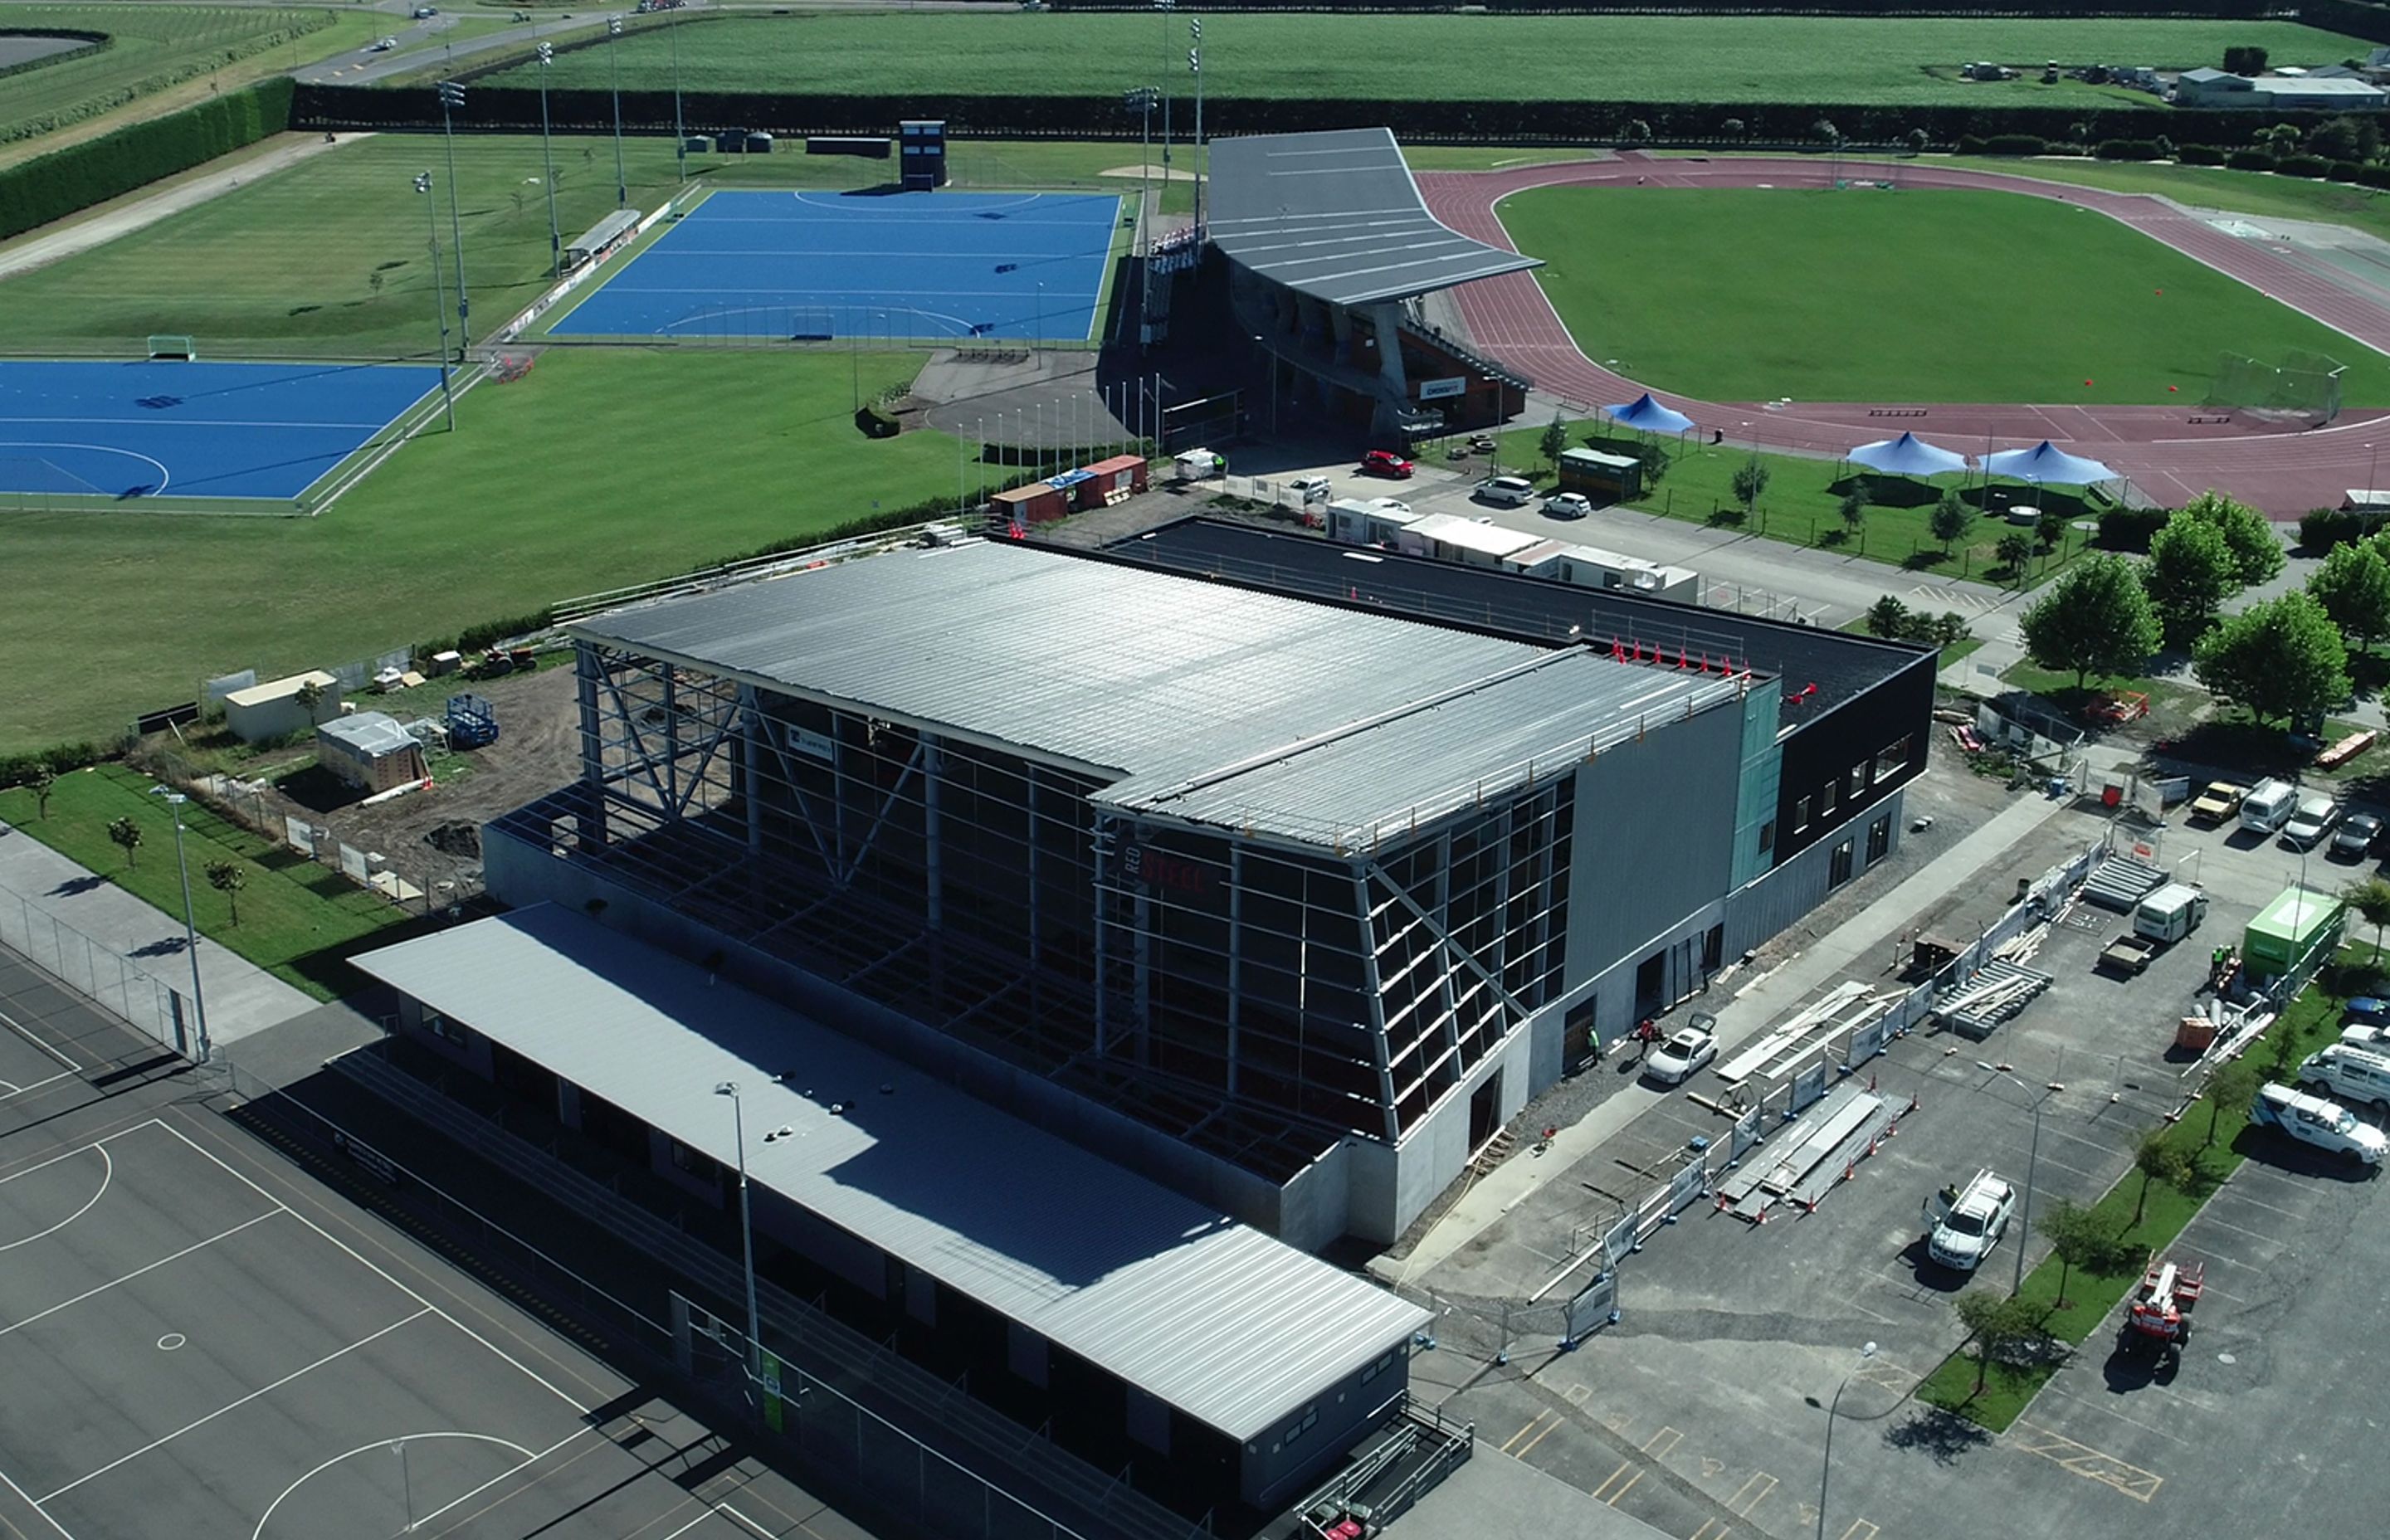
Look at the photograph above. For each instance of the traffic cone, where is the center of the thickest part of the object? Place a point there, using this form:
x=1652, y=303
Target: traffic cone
x=1912, y=1101
x=1850, y=1169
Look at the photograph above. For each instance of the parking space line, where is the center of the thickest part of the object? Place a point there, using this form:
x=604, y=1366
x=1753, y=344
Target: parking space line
x=2133, y=1421
x=1577, y=1395
x=1661, y=1441
x=2085, y=1461
x=2237, y=1229
x=1525, y=1448
x=128, y=1277
x=1525, y=1429
x=1750, y=1495
x=1861, y=1524
x=2238, y=1197
x=1723, y=1529
x=236, y=1406
x=1613, y=1498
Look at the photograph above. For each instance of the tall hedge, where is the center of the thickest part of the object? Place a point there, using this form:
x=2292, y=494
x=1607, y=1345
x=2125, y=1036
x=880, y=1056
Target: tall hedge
x=67, y=181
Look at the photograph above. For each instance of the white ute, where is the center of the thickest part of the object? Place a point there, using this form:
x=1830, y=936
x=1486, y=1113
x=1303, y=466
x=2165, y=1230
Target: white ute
x=1973, y=1220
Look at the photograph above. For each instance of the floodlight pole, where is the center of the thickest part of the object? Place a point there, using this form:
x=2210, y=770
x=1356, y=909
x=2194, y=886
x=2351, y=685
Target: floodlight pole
x=439, y=300
x=1166, y=6
x=746, y=1232
x=547, y=160
x=614, y=69
x=1195, y=68
x=680, y=133
x=175, y=801
x=452, y=96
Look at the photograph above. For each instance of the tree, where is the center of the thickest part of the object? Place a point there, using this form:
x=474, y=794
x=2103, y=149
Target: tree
x=228, y=878
x=1917, y=141
x=2282, y=659
x=2244, y=59
x=2234, y=1082
x=45, y=782
x=126, y=835
x=1733, y=128
x=2015, y=551
x=1949, y=519
x=2095, y=620
x=1888, y=617
x=309, y=696
x=1997, y=1324
x=1853, y=509
x=2353, y=585
x=1639, y=132
x=2347, y=138
x=2189, y=573
x=2049, y=529
x=2371, y=898
x=1948, y=629
x=2248, y=534
x=1750, y=484
x=1555, y=440
x=2078, y=1238
x=2158, y=1161
x=373, y=282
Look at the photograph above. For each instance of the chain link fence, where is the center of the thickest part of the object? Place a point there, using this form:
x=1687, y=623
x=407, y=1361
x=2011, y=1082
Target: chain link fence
x=115, y=982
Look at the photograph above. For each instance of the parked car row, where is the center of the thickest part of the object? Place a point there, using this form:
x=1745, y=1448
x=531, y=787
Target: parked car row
x=2303, y=821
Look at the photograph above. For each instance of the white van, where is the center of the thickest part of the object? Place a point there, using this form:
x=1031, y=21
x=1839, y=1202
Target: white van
x=2360, y=1076
x=1509, y=491
x=2269, y=805
x=2325, y=1124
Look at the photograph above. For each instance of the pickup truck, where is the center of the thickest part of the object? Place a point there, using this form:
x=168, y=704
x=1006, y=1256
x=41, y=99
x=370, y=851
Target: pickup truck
x=2219, y=801
x=2130, y=954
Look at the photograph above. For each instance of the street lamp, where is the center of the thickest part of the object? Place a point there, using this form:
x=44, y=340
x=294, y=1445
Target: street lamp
x=1195, y=68
x=439, y=299
x=680, y=134
x=548, y=158
x=2032, y=1165
x=452, y=97
x=1826, y=1466
x=175, y=801
x=746, y=1232
x=622, y=182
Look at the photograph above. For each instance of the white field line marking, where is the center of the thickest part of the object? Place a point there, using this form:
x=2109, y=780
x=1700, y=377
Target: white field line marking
x=236, y=1406
x=355, y=1256
x=27, y=1034
x=384, y=1443
x=71, y=1154
x=530, y=1460
x=106, y=1174
x=128, y=1277
x=37, y=1508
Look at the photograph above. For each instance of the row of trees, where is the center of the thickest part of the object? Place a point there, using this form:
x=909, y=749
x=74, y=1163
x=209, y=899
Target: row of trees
x=225, y=877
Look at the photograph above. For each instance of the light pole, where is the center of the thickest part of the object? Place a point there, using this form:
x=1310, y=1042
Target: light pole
x=746, y=1232
x=1826, y=1466
x=548, y=158
x=2372, y=466
x=439, y=299
x=1165, y=7
x=1195, y=68
x=2032, y=1165
x=1269, y=362
x=175, y=801
x=452, y=97
x=622, y=182
x=680, y=134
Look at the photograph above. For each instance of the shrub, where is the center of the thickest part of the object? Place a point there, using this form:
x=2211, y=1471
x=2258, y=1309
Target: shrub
x=2250, y=159
x=2310, y=166
x=2016, y=144
x=1970, y=144
x=57, y=759
x=2373, y=177
x=2123, y=529
x=2126, y=149
x=2343, y=171
x=2321, y=528
x=2200, y=155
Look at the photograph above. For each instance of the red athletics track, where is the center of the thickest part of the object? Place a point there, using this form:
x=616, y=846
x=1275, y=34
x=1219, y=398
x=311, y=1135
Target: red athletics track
x=2170, y=457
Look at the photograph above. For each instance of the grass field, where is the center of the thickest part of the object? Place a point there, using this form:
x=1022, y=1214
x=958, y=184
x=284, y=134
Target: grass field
x=152, y=47
x=2245, y=192
x=329, y=256
x=601, y=468
x=298, y=921
x=1707, y=59
x=1752, y=295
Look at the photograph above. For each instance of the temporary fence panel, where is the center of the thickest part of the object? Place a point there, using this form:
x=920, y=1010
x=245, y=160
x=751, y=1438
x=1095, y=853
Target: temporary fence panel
x=299, y=834
x=1592, y=1307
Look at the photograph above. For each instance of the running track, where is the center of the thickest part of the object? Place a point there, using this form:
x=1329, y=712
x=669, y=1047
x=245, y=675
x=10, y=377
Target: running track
x=2169, y=456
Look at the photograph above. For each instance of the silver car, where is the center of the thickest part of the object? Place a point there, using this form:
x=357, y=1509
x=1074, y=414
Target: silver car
x=2310, y=821
x=1685, y=1054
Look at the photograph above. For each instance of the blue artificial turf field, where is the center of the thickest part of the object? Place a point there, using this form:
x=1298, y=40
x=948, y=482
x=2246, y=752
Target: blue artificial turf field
x=863, y=264
x=191, y=430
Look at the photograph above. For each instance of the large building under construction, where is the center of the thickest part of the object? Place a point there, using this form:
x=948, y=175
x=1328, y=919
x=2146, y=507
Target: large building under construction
x=1289, y=900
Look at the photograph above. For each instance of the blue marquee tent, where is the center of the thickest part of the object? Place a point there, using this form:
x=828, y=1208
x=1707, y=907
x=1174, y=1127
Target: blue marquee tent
x=2046, y=465
x=1649, y=416
x=1907, y=455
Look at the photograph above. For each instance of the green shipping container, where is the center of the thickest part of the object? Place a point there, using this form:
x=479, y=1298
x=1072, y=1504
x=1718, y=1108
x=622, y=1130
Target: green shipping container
x=2287, y=928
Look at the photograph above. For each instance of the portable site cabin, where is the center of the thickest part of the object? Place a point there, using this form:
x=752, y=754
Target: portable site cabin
x=2287, y=930
x=1362, y=522
x=274, y=709
x=370, y=751
x=1603, y=478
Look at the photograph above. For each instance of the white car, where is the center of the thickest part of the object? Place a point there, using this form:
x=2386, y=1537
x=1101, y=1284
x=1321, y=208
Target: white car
x=1567, y=505
x=1509, y=491
x=1973, y=1221
x=1311, y=488
x=1394, y=506
x=1684, y=1055
x=2311, y=822
x=2316, y=1121
x=381, y=44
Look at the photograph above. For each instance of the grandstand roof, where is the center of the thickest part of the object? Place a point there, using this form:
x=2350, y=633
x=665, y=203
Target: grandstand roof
x=1336, y=215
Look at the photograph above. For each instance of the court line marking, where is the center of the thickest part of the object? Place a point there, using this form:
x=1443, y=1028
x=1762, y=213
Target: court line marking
x=27, y=1497
x=71, y=1154
x=165, y=476
x=530, y=1460
x=31, y=1036
x=106, y=1174
x=360, y=1258
x=267, y=1516
x=150, y=1267
x=236, y=1406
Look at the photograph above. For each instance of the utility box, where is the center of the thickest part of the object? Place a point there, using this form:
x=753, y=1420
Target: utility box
x=2289, y=928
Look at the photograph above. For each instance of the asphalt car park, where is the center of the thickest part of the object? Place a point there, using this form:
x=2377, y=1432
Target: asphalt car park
x=1733, y=1336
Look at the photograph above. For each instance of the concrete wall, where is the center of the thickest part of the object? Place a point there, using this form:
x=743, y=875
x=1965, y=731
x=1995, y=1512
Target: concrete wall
x=1392, y=1185
x=1789, y=892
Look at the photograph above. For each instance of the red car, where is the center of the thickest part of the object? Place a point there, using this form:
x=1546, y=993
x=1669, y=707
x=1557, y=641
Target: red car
x=1385, y=462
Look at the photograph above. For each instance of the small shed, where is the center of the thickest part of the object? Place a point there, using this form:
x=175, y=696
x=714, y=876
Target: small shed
x=1038, y=503
x=2287, y=930
x=273, y=709
x=1111, y=481
x=1362, y=522
x=370, y=751
x=1603, y=478
x=1448, y=537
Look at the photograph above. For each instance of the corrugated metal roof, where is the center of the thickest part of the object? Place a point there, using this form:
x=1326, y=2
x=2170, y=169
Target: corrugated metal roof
x=1336, y=215
x=372, y=734
x=1232, y=1327
x=1162, y=679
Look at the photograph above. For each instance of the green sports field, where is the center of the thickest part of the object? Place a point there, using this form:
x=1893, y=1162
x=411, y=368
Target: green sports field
x=1471, y=57
x=601, y=468
x=151, y=47
x=1865, y=296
